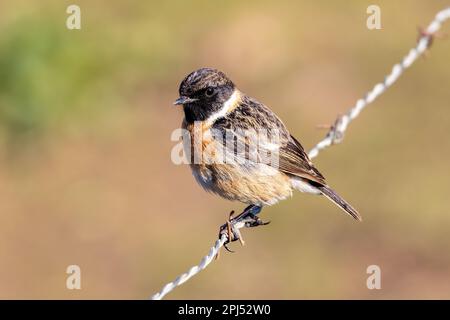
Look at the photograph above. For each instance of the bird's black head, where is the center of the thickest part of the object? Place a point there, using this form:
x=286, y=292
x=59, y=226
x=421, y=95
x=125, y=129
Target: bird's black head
x=203, y=92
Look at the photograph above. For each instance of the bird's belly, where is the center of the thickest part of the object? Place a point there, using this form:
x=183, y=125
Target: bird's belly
x=254, y=183
x=248, y=185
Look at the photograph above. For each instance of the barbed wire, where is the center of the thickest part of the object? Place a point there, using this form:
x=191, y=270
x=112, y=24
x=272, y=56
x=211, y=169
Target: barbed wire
x=335, y=134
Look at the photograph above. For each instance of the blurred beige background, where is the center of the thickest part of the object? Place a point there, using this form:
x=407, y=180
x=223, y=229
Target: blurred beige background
x=86, y=176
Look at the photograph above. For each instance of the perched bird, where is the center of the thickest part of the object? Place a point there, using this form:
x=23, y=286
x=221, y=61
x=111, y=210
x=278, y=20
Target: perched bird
x=217, y=118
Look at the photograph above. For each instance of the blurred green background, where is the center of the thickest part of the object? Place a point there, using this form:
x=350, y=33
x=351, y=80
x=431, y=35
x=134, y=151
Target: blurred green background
x=86, y=176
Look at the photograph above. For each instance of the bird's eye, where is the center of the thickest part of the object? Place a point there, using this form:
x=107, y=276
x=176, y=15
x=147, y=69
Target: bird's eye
x=209, y=92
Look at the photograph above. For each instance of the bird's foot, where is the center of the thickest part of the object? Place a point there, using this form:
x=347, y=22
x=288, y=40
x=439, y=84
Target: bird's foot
x=248, y=218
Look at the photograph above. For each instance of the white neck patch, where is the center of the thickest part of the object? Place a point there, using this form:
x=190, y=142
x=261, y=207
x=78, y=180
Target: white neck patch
x=228, y=105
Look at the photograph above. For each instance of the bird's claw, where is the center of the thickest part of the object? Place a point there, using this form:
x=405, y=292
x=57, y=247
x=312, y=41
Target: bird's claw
x=231, y=228
x=256, y=223
x=230, y=231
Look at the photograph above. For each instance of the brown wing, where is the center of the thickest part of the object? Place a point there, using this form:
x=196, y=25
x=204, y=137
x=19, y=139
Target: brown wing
x=294, y=161
x=253, y=115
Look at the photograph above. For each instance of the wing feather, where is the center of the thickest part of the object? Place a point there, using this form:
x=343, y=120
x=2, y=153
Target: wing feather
x=295, y=161
x=253, y=115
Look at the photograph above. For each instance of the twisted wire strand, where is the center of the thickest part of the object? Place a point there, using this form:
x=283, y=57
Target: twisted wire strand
x=336, y=133
x=206, y=260
x=334, y=136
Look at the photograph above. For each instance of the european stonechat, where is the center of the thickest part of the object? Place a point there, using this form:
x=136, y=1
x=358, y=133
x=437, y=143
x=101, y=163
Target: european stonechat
x=270, y=164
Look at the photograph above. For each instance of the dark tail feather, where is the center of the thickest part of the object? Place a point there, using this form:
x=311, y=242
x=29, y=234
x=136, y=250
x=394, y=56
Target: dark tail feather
x=341, y=203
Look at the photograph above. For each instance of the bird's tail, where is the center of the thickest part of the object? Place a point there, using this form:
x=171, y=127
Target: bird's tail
x=337, y=200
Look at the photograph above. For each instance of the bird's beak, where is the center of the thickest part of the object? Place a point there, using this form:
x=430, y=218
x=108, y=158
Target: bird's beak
x=183, y=100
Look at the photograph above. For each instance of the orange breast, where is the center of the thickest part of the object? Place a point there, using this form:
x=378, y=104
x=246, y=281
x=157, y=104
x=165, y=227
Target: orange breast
x=204, y=148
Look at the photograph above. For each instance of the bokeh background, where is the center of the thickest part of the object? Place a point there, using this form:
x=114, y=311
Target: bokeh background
x=86, y=176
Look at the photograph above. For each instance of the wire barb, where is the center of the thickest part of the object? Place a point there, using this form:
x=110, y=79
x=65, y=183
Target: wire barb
x=334, y=136
x=426, y=36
